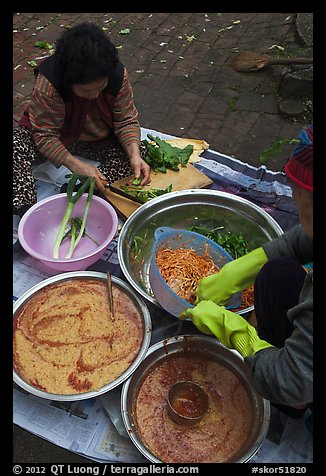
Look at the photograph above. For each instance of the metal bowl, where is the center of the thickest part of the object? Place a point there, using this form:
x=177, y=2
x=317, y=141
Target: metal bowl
x=210, y=348
x=142, y=351
x=182, y=209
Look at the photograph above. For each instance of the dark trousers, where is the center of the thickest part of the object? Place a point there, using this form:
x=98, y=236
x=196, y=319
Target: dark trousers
x=277, y=289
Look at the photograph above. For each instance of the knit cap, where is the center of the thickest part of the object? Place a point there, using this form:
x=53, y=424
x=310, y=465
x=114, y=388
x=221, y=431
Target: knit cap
x=299, y=167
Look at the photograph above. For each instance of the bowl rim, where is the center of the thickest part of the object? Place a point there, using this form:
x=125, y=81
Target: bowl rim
x=48, y=259
x=157, y=348
x=126, y=374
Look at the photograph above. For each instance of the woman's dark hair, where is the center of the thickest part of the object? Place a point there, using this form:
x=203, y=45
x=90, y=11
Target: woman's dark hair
x=84, y=54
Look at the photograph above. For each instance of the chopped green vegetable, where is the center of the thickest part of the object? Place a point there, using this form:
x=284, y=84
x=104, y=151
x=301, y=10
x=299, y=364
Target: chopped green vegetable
x=145, y=194
x=235, y=244
x=72, y=199
x=136, y=181
x=162, y=155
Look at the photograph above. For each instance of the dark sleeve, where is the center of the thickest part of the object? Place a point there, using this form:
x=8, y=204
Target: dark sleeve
x=293, y=243
x=286, y=375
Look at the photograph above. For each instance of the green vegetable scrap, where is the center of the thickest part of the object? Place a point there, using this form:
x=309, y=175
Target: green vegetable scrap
x=72, y=200
x=125, y=31
x=32, y=63
x=275, y=149
x=162, y=155
x=44, y=44
x=235, y=244
x=145, y=194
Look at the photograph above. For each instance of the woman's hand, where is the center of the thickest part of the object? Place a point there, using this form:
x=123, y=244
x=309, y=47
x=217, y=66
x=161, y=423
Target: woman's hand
x=230, y=328
x=79, y=167
x=140, y=169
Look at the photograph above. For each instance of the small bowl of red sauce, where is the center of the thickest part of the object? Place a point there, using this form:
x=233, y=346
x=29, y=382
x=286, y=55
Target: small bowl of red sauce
x=187, y=403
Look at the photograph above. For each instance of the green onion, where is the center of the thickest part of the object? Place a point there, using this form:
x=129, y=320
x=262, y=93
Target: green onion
x=144, y=193
x=72, y=236
x=78, y=223
x=72, y=199
x=82, y=228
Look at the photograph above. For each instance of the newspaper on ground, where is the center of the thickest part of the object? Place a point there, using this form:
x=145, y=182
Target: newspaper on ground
x=81, y=427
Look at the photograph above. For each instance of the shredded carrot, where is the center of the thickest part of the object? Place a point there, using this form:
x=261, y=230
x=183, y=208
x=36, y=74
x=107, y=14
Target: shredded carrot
x=182, y=268
x=247, y=298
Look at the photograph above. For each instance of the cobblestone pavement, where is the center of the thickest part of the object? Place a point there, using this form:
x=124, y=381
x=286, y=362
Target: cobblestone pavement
x=178, y=65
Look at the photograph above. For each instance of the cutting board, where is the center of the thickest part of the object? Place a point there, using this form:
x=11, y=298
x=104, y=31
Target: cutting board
x=186, y=178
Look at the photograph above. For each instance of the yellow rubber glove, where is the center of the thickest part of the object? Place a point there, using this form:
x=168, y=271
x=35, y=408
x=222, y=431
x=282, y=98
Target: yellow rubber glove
x=231, y=329
x=234, y=276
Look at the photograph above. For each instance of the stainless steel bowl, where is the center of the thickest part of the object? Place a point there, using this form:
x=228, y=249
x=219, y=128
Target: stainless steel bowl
x=211, y=348
x=141, y=354
x=182, y=209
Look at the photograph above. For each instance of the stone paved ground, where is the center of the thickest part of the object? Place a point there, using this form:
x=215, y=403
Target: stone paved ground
x=178, y=65
x=182, y=86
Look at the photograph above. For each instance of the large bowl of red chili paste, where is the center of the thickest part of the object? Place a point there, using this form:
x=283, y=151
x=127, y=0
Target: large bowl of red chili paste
x=235, y=423
x=67, y=343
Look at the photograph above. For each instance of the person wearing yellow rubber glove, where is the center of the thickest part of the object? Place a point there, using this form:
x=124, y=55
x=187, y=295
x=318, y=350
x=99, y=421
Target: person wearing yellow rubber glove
x=279, y=351
x=235, y=276
x=230, y=328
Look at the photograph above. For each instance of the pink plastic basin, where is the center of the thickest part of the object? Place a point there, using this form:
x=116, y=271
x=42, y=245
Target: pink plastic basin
x=39, y=226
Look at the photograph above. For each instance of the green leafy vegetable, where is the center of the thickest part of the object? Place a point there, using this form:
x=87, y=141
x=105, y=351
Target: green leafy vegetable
x=235, y=244
x=126, y=31
x=145, y=194
x=162, y=156
x=72, y=199
x=275, y=149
